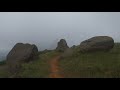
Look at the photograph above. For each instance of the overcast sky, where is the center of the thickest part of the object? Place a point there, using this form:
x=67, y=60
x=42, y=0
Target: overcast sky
x=45, y=29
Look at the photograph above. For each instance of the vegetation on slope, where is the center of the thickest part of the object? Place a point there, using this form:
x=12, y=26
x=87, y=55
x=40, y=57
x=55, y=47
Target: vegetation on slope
x=95, y=65
x=35, y=69
x=38, y=68
x=77, y=65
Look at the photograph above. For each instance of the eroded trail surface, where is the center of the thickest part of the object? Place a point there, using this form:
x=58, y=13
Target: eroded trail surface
x=54, y=68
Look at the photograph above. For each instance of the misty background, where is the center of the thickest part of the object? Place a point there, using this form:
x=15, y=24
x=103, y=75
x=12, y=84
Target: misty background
x=45, y=29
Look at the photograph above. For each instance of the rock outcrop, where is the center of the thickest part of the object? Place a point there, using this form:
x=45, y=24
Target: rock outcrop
x=62, y=45
x=21, y=53
x=98, y=43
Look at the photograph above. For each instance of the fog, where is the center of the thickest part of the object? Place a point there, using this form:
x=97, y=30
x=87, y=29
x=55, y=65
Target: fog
x=45, y=29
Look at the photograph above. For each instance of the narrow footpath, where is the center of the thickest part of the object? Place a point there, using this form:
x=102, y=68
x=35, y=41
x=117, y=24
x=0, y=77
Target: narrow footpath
x=54, y=68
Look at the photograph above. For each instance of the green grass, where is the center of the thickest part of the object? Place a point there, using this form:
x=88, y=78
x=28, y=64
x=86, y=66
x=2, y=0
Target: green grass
x=38, y=68
x=92, y=65
x=78, y=65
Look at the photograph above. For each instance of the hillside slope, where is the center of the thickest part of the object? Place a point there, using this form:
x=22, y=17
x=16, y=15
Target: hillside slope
x=36, y=69
x=92, y=65
x=76, y=65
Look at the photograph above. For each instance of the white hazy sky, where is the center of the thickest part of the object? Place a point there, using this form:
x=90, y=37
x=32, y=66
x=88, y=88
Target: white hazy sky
x=45, y=29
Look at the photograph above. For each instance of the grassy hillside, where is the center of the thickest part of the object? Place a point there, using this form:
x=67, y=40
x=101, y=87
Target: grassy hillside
x=77, y=65
x=95, y=65
x=36, y=69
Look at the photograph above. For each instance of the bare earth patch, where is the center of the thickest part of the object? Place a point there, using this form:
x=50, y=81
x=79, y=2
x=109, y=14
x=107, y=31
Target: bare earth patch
x=54, y=68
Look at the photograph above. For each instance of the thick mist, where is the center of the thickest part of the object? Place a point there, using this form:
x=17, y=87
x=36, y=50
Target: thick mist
x=45, y=29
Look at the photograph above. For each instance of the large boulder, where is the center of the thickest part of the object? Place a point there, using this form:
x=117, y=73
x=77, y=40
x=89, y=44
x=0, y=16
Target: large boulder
x=62, y=45
x=21, y=53
x=98, y=43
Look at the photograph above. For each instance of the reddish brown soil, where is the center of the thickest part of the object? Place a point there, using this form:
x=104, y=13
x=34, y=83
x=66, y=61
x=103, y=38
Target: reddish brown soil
x=54, y=68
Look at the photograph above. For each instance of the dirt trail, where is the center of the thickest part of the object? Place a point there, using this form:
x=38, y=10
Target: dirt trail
x=54, y=68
